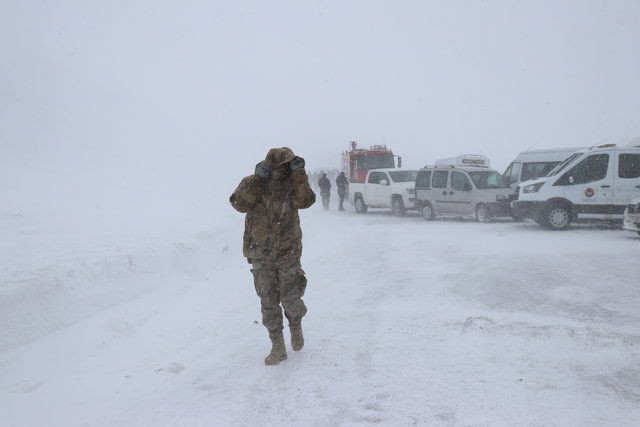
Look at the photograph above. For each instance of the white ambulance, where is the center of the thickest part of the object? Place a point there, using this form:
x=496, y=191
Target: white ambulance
x=596, y=183
x=462, y=186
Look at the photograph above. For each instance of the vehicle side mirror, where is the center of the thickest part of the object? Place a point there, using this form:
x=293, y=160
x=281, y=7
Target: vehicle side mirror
x=467, y=187
x=384, y=182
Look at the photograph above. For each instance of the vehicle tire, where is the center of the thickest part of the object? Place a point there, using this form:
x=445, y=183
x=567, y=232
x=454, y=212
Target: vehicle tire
x=397, y=206
x=483, y=214
x=427, y=212
x=556, y=216
x=638, y=233
x=517, y=218
x=361, y=207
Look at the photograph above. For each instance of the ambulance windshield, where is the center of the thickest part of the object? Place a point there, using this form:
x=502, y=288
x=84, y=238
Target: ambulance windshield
x=488, y=179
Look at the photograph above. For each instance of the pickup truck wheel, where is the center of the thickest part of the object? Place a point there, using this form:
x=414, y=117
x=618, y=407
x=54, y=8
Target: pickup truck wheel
x=556, y=216
x=397, y=206
x=427, y=212
x=482, y=213
x=361, y=207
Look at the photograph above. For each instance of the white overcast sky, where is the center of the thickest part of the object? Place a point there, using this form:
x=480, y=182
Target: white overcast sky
x=158, y=95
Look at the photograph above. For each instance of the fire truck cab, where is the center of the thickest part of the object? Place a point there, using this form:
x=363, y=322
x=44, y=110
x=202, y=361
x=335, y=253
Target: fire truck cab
x=357, y=162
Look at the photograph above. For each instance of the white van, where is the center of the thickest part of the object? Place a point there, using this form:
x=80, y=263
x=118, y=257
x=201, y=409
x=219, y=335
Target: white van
x=596, y=183
x=533, y=164
x=462, y=190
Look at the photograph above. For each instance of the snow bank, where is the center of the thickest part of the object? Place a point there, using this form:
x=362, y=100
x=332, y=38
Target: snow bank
x=56, y=273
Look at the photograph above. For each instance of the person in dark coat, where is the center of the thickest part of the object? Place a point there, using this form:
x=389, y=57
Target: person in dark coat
x=342, y=185
x=325, y=190
x=272, y=242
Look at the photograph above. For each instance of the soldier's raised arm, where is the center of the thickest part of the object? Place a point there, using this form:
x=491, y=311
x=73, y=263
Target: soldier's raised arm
x=246, y=195
x=303, y=195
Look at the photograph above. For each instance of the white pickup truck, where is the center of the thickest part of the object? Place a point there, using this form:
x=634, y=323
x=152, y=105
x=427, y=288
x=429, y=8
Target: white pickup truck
x=385, y=188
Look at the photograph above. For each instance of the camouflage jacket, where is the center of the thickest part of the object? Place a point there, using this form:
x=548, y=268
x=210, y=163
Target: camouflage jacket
x=272, y=226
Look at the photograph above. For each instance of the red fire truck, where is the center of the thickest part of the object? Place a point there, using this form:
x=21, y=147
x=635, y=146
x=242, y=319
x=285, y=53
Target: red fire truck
x=357, y=162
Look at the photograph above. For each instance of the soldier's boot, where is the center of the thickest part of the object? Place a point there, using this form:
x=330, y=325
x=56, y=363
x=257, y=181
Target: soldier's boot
x=278, y=350
x=297, y=339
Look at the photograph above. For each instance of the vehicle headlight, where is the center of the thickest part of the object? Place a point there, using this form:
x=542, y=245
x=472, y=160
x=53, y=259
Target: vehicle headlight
x=532, y=188
x=500, y=197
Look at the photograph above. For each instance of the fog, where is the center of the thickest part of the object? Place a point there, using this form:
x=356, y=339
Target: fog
x=148, y=110
x=125, y=295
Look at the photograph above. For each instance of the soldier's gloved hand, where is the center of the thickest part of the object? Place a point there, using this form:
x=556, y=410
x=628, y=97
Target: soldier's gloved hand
x=297, y=163
x=263, y=170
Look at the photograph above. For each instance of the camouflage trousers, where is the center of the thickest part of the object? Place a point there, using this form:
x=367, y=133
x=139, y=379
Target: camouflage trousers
x=280, y=284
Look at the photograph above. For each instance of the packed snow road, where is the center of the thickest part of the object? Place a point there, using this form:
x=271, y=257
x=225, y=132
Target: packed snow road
x=441, y=323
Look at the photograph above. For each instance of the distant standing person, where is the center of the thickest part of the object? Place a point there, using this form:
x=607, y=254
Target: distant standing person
x=325, y=190
x=342, y=183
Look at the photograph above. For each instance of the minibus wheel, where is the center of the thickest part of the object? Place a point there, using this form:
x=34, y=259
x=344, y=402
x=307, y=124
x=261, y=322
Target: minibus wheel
x=427, y=212
x=482, y=213
x=557, y=216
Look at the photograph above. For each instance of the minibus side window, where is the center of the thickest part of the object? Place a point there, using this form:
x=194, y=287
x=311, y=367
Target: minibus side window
x=629, y=166
x=440, y=179
x=424, y=179
x=593, y=168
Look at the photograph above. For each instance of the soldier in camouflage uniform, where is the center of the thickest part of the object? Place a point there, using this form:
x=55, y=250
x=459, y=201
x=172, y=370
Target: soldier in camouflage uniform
x=271, y=198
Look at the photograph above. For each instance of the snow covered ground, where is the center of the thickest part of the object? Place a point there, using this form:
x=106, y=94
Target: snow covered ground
x=443, y=323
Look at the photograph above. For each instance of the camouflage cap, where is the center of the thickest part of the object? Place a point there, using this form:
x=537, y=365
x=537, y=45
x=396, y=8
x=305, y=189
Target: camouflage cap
x=279, y=156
